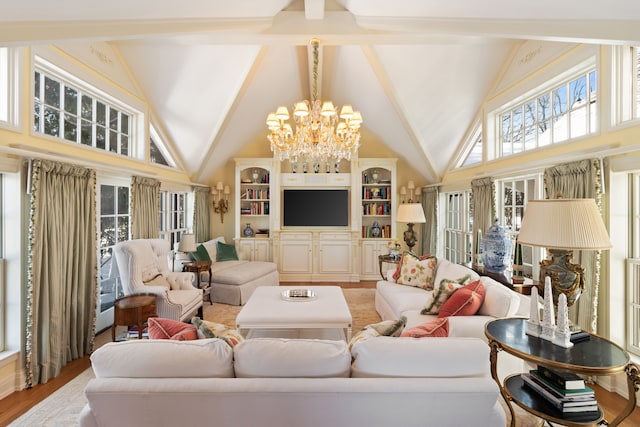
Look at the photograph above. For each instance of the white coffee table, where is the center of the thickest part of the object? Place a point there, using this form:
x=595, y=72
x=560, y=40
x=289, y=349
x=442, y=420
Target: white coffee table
x=266, y=313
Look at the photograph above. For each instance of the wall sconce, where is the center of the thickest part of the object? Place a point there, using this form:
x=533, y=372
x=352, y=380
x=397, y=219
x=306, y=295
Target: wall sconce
x=220, y=204
x=412, y=190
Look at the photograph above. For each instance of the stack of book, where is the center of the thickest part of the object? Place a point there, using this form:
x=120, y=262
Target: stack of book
x=564, y=390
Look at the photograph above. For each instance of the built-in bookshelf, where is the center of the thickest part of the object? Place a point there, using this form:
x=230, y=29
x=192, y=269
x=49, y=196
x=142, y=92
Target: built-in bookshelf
x=377, y=202
x=253, y=207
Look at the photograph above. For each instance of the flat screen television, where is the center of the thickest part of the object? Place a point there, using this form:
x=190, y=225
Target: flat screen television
x=315, y=208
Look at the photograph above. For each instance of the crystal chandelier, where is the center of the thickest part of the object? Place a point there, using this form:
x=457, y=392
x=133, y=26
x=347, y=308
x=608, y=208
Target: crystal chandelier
x=321, y=135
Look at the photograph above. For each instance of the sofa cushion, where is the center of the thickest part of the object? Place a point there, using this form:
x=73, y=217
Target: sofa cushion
x=466, y=301
x=417, y=271
x=415, y=357
x=163, y=359
x=401, y=298
x=289, y=358
x=387, y=328
x=169, y=329
x=499, y=301
x=212, y=247
x=200, y=254
x=158, y=280
x=226, y=252
x=435, y=328
x=240, y=272
x=444, y=290
x=206, y=329
x=449, y=270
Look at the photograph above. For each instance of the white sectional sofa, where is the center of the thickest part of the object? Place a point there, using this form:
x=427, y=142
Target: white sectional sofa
x=382, y=382
x=393, y=301
x=233, y=281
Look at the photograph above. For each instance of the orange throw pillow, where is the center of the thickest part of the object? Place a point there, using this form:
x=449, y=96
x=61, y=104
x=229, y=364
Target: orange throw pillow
x=169, y=329
x=465, y=301
x=434, y=328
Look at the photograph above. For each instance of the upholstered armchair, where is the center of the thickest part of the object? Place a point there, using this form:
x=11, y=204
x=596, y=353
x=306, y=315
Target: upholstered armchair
x=143, y=267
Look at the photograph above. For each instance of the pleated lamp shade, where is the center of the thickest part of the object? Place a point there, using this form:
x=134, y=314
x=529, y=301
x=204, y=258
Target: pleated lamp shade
x=187, y=243
x=410, y=213
x=564, y=224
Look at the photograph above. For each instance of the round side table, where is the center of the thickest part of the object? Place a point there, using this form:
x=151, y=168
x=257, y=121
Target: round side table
x=133, y=310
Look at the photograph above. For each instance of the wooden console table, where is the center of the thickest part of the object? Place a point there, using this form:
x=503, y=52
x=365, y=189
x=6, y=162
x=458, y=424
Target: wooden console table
x=595, y=356
x=133, y=310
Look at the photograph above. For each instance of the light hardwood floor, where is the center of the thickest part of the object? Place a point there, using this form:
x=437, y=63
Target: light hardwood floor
x=14, y=405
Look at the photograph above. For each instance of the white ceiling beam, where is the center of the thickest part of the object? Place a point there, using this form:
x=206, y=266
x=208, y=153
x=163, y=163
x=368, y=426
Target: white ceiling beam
x=314, y=9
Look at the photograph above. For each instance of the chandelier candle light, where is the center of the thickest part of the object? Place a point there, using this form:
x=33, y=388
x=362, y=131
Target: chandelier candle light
x=321, y=135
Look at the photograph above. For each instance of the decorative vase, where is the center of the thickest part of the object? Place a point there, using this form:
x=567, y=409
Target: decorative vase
x=248, y=231
x=496, y=249
x=394, y=253
x=375, y=229
x=255, y=176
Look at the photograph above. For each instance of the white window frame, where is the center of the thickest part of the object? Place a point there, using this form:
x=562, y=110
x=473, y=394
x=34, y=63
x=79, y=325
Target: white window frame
x=532, y=188
x=174, y=220
x=589, y=109
x=115, y=182
x=10, y=60
x=473, y=146
x=457, y=244
x=633, y=270
x=57, y=67
x=160, y=144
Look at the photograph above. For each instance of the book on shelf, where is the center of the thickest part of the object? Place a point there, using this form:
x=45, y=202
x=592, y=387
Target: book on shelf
x=586, y=403
x=564, y=380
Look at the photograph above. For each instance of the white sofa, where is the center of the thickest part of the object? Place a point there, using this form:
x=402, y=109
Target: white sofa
x=393, y=301
x=233, y=281
x=383, y=381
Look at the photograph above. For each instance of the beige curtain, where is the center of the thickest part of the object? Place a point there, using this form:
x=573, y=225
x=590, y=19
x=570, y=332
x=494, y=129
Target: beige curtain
x=145, y=208
x=484, y=206
x=580, y=180
x=62, y=268
x=201, y=212
x=429, y=233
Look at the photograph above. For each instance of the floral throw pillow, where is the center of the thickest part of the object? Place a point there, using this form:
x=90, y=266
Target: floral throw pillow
x=439, y=295
x=388, y=328
x=208, y=329
x=417, y=271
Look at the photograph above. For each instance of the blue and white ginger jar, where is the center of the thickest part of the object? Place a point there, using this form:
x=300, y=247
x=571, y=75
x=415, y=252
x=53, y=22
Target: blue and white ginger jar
x=496, y=249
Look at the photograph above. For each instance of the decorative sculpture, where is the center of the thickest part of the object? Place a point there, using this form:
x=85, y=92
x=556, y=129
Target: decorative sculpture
x=533, y=324
x=563, y=332
x=560, y=333
x=548, y=315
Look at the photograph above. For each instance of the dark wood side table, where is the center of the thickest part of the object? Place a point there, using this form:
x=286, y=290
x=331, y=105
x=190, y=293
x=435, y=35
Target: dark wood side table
x=198, y=267
x=389, y=259
x=133, y=310
x=595, y=356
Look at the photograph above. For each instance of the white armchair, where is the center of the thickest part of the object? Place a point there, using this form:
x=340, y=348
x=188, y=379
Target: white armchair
x=143, y=260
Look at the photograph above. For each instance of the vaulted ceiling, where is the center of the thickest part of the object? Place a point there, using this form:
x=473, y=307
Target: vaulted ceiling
x=211, y=70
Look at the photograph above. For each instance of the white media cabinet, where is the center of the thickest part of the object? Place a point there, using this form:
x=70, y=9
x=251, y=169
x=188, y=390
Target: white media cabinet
x=331, y=254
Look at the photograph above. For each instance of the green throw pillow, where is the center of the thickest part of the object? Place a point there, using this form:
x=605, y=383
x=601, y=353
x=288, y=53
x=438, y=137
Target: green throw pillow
x=200, y=254
x=226, y=252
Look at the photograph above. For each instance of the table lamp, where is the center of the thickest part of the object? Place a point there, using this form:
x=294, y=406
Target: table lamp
x=562, y=226
x=410, y=213
x=187, y=244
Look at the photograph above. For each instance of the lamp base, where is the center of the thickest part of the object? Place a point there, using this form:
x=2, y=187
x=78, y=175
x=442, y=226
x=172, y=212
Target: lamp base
x=566, y=277
x=410, y=237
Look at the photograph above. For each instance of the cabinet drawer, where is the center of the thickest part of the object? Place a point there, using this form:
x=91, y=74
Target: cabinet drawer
x=335, y=236
x=290, y=179
x=339, y=179
x=302, y=235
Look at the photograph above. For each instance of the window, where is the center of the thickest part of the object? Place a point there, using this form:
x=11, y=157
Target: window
x=4, y=84
x=9, y=86
x=155, y=154
x=564, y=112
x=157, y=151
x=513, y=195
x=636, y=80
x=74, y=114
x=458, y=229
x=173, y=216
x=114, y=228
x=633, y=270
x=474, y=155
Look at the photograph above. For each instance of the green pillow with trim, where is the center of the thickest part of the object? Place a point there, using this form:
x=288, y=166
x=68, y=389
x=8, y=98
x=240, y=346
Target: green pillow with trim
x=200, y=254
x=226, y=252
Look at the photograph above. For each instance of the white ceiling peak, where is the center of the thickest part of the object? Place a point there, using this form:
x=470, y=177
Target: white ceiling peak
x=314, y=9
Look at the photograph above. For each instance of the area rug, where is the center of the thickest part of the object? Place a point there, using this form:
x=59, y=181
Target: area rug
x=63, y=407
